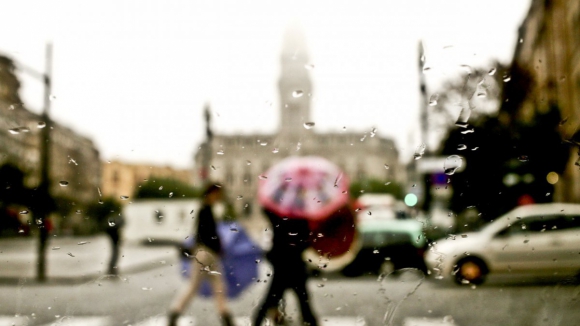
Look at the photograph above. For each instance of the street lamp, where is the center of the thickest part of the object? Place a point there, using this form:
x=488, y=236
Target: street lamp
x=43, y=189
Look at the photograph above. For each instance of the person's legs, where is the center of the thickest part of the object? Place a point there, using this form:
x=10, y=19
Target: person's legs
x=299, y=286
x=220, y=292
x=202, y=260
x=113, y=270
x=270, y=303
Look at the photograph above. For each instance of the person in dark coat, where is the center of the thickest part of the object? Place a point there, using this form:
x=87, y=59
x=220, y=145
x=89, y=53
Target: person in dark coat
x=206, y=261
x=115, y=223
x=289, y=270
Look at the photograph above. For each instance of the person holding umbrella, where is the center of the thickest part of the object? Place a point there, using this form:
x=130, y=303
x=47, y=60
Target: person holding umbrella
x=206, y=264
x=305, y=199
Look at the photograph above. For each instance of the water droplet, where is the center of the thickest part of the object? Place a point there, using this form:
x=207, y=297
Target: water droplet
x=239, y=197
x=386, y=166
x=309, y=125
x=248, y=163
x=373, y=132
x=288, y=179
x=214, y=273
x=55, y=248
x=262, y=177
x=376, y=251
x=41, y=124
x=420, y=151
x=24, y=212
x=70, y=254
x=492, y=71
x=212, y=167
x=111, y=223
x=426, y=69
x=467, y=68
x=481, y=94
x=171, y=194
x=124, y=197
x=363, y=138
x=463, y=118
x=39, y=221
x=433, y=99
x=468, y=131
x=475, y=148
x=320, y=285
x=507, y=78
x=220, y=152
x=523, y=158
x=14, y=131
x=52, y=97
x=78, y=211
x=275, y=150
x=264, y=143
x=297, y=93
x=309, y=66
x=452, y=163
x=461, y=147
x=24, y=129
x=83, y=243
x=298, y=146
x=161, y=188
x=235, y=230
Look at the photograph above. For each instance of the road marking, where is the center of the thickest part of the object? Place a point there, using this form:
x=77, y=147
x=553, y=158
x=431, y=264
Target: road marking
x=162, y=321
x=13, y=320
x=245, y=321
x=424, y=321
x=82, y=320
x=342, y=321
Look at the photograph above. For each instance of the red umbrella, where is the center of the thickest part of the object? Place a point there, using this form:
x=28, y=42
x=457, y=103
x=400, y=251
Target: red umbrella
x=304, y=187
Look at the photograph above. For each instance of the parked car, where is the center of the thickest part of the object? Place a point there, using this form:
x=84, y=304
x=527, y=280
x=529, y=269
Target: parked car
x=540, y=239
x=390, y=238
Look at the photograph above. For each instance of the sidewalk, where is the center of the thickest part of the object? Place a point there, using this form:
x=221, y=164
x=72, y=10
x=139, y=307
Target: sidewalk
x=76, y=259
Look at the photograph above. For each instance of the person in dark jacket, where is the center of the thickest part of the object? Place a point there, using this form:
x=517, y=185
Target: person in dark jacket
x=289, y=270
x=206, y=261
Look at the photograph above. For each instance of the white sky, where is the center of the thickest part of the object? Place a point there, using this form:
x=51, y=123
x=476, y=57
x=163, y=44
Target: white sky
x=134, y=75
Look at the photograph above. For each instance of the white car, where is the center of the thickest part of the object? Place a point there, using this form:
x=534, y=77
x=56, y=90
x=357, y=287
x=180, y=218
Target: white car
x=541, y=239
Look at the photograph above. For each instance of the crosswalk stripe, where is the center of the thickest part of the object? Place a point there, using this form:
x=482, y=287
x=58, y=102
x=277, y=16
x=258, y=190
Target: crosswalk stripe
x=342, y=321
x=424, y=321
x=162, y=321
x=13, y=320
x=81, y=320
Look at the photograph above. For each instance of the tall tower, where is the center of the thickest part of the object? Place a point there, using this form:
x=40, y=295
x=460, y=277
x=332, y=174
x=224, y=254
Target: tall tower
x=294, y=84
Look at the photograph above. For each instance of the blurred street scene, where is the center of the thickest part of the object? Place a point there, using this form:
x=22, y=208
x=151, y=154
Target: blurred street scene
x=466, y=170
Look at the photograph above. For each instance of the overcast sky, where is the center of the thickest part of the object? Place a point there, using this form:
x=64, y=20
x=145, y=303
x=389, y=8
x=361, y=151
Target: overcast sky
x=134, y=75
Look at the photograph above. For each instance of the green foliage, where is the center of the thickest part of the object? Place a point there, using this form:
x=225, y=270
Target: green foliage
x=375, y=186
x=165, y=188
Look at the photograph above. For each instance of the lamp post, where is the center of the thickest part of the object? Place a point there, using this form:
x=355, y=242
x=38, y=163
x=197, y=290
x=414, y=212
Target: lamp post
x=43, y=209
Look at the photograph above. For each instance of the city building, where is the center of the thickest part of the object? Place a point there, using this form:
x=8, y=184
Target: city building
x=238, y=160
x=548, y=52
x=74, y=169
x=122, y=179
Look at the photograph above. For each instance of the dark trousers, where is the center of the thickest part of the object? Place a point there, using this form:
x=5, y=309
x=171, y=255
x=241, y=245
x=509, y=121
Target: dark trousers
x=287, y=276
x=115, y=244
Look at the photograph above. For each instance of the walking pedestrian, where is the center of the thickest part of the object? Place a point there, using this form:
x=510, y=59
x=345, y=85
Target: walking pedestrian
x=115, y=223
x=289, y=270
x=206, y=261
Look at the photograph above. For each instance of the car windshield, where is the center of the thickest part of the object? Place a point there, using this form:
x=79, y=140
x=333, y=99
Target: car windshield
x=289, y=162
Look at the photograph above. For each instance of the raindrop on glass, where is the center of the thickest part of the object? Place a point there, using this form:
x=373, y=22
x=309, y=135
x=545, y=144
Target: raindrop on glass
x=161, y=188
x=70, y=254
x=111, y=223
x=309, y=125
x=309, y=66
x=63, y=183
x=239, y=197
x=461, y=147
x=38, y=221
x=41, y=124
x=468, y=131
x=264, y=143
x=24, y=212
x=452, y=163
x=220, y=152
x=433, y=99
x=55, y=248
x=248, y=163
x=492, y=71
x=420, y=151
x=506, y=78
x=52, y=97
x=171, y=194
x=373, y=132
x=24, y=129
x=288, y=179
x=263, y=177
x=124, y=197
x=275, y=150
x=297, y=93
x=523, y=158
x=463, y=118
x=14, y=131
x=212, y=167
x=386, y=166
x=83, y=243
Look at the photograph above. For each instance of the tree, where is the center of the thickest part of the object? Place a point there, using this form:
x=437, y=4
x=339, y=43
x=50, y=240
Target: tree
x=165, y=188
x=375, y=186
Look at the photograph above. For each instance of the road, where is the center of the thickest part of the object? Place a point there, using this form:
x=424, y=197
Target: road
x=138, y=299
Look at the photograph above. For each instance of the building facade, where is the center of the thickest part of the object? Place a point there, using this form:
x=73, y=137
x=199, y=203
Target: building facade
x=238, y=161
x=122, y=179
x=74, y=159
x=548, y=51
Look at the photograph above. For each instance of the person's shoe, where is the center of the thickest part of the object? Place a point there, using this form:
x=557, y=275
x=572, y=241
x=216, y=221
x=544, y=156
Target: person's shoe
x=172, y=318
x=227, y=320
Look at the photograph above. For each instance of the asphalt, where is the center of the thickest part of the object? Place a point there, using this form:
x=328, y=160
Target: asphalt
x=71, y=260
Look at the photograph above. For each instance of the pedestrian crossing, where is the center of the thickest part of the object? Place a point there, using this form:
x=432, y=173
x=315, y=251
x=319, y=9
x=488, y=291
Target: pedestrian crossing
x=161, y=320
